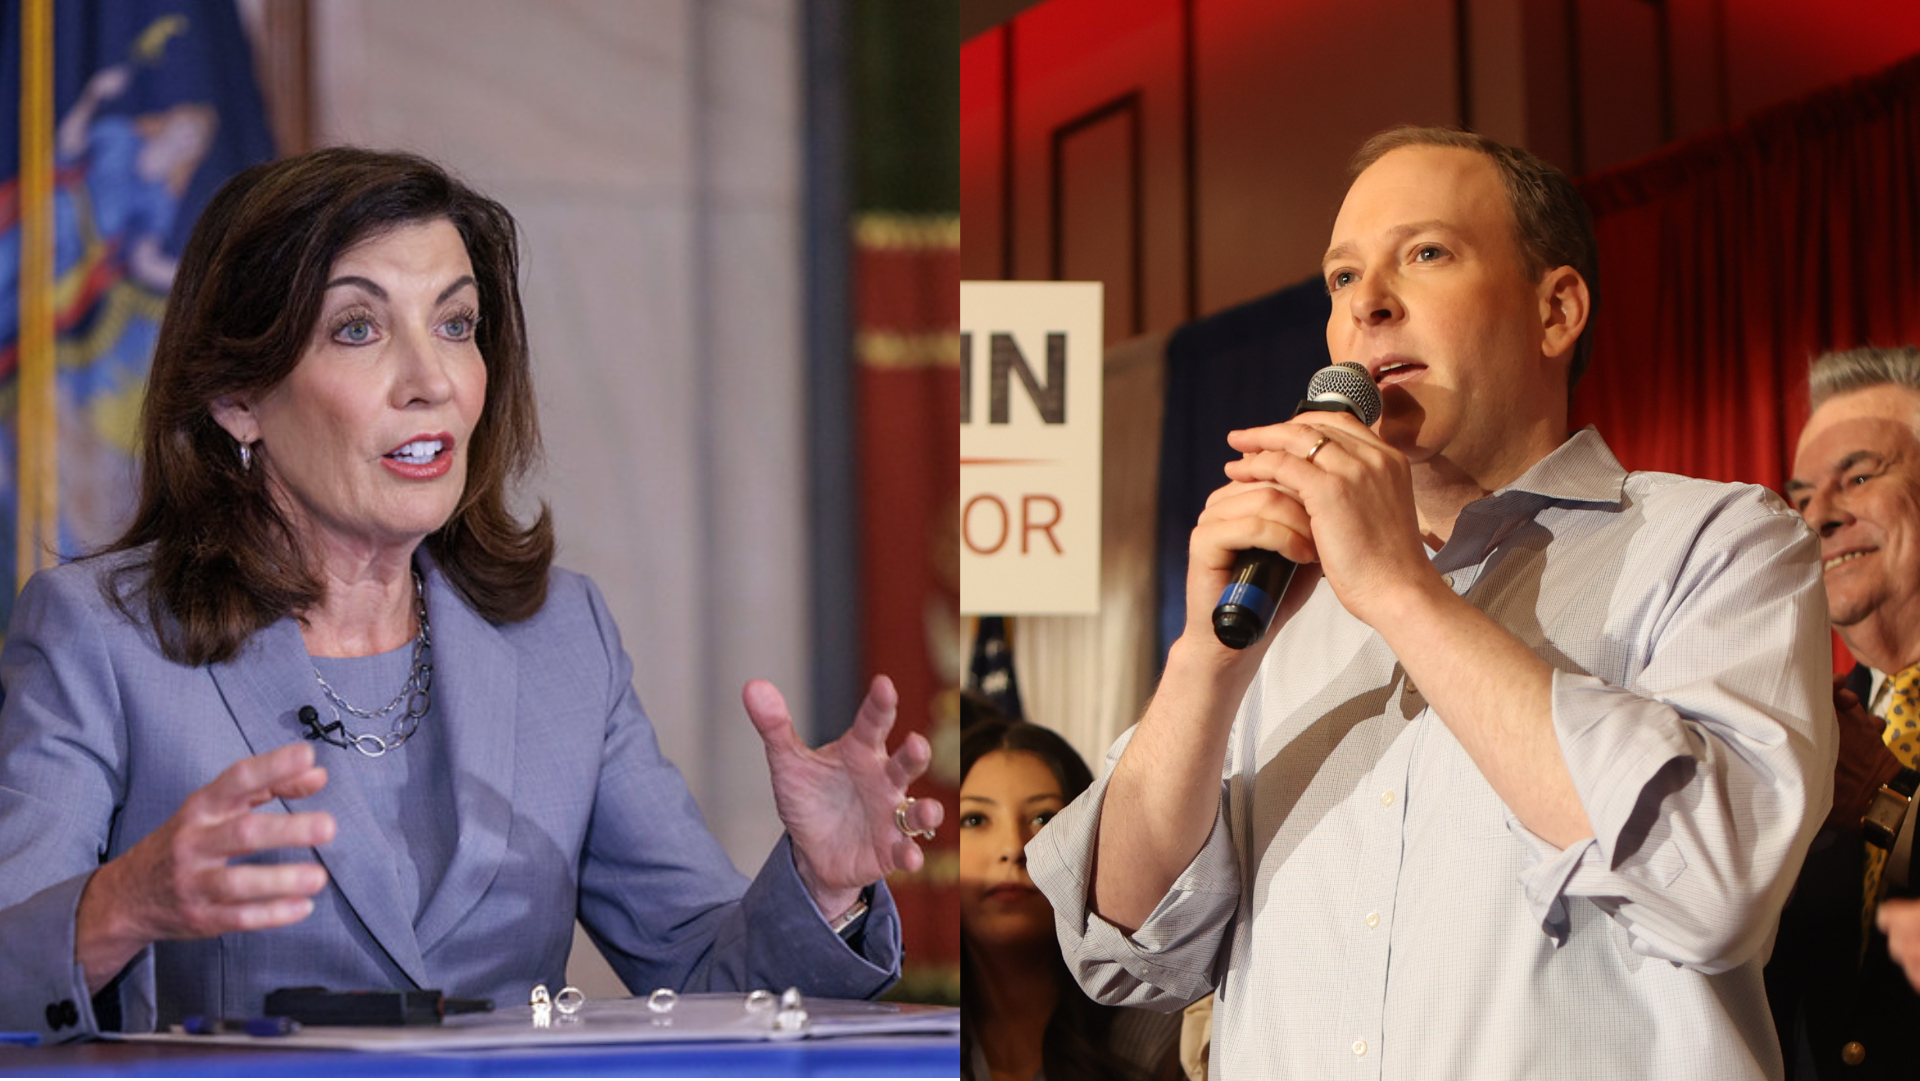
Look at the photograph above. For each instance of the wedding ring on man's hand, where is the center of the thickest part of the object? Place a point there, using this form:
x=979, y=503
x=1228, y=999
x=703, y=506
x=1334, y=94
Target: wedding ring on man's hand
x=900, y=819
x=1315, y=449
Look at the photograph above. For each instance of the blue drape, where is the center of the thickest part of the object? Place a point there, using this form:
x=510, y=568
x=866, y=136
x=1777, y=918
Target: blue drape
x=1239, y=368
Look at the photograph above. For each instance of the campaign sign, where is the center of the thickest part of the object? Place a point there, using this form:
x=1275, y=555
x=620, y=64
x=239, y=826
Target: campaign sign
x=1030, y=374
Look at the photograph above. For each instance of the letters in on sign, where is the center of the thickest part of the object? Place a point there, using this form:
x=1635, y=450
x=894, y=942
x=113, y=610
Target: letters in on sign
x=1030, y=385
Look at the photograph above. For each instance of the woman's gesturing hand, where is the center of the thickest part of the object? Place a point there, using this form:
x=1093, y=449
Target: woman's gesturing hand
x=838, y=801
x=176, y=882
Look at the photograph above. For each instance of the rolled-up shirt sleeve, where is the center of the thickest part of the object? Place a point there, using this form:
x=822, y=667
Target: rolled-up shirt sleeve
x=1705, y=778
x=1172, y=958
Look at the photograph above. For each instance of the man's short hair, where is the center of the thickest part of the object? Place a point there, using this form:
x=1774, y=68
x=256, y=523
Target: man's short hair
x=1552, y=224
x=1849, y=370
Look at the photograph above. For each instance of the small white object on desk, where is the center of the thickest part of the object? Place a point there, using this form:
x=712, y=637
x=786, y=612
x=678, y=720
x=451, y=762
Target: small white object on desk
x=710, y=1017
x=792, y=1018
x=541, y=1005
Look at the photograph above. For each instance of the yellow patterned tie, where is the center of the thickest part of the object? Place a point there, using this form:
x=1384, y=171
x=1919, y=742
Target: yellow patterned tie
x=1902, y=736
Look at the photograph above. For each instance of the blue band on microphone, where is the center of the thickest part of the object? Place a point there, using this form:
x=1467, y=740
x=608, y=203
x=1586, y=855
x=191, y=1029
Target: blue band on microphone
x=1248, y=595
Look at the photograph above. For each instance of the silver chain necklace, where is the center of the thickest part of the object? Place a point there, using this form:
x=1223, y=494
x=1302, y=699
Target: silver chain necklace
x=416, y=693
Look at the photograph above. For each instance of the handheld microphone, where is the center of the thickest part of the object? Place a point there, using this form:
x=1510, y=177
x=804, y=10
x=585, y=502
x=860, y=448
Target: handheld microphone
x=1259, y=577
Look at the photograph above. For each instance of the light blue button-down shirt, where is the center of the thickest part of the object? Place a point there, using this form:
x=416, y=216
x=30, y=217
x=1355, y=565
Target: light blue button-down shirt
x=1368, y=908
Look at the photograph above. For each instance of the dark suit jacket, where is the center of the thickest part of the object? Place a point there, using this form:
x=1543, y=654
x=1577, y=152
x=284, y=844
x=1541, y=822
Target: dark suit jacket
x=561, y=800
x=1823, y=997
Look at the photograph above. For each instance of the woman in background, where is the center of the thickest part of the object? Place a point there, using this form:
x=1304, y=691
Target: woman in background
x=1022, y=1015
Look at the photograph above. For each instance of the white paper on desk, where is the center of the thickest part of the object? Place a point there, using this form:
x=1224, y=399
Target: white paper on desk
x=695, y=1017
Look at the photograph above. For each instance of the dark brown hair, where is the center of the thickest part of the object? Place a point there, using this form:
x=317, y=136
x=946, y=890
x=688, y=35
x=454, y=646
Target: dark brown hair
x=224, y=561
x=1075, y=1045
x=1551, y=222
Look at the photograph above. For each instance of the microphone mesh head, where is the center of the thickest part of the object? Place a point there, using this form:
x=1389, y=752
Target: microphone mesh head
x=1350, y=381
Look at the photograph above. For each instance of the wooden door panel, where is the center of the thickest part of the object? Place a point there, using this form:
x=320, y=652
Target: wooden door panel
x=1099, y=185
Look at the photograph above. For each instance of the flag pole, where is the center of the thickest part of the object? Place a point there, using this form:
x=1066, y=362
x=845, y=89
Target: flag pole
x=38, y=488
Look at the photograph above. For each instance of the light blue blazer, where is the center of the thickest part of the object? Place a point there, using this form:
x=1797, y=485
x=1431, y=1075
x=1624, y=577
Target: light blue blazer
x=562, y=801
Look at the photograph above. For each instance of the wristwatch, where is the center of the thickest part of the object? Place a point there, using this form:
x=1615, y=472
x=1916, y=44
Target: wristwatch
x=852, y=915
x=1888, y=808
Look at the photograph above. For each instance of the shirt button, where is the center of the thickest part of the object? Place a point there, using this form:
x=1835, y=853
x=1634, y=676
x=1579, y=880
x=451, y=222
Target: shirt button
x=1386, y=799
x=1359, y=1048
x=1853, y=1054
x=1448, y=579
x=1373, y=919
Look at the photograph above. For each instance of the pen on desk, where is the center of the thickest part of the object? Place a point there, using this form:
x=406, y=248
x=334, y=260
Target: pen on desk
x=19, y=1039
x=199, y=1025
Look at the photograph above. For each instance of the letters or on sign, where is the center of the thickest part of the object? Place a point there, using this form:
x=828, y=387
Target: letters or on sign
x=1030, y=374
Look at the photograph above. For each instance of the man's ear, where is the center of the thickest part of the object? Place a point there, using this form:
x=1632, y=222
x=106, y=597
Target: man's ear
x=1565, y=305
x=234, y=412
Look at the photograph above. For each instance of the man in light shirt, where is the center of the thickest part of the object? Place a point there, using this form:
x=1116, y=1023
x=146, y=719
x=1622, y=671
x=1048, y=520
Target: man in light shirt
x=1842, y=1004
x=1520, y=778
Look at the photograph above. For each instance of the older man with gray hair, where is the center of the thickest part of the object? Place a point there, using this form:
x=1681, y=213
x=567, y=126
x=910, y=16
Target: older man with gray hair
x=1840, y=1001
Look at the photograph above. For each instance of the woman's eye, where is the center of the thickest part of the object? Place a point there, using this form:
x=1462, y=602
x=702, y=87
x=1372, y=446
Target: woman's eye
x=460, y=327
x=354, y=332
x=972, y=820
x=1428, y=253
x=1043, y=818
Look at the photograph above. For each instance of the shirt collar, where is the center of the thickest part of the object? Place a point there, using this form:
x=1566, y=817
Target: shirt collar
x=1580, y=470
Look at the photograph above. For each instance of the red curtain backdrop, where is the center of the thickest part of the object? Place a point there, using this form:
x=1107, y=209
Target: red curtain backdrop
x=904, y=91
x=1729, y=262
x=908, y=384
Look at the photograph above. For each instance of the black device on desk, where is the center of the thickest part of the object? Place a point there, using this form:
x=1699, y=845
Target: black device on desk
x=319, y=1006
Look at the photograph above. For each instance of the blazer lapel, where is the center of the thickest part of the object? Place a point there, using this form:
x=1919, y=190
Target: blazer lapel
x=264, y=688
x=475, y=684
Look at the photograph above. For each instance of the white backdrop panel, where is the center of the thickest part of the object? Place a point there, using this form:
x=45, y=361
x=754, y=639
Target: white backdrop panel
x=651, y=153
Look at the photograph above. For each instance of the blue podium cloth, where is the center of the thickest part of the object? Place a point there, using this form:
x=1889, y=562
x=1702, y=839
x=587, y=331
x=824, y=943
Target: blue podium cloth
x=871, y=1056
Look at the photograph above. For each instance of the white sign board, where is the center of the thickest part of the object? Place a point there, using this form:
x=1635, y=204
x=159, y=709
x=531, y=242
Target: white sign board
x=1030, y=375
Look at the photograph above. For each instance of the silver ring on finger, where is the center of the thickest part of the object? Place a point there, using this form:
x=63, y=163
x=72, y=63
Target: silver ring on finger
x=900, y=819
x=1315, y=449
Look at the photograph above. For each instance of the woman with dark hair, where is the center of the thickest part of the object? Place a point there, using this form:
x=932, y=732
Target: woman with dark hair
x=202, y=794
x=1022, y=1014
